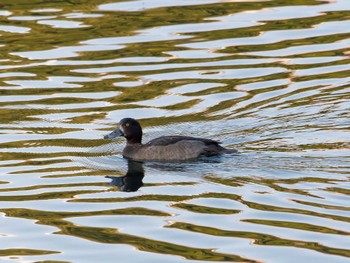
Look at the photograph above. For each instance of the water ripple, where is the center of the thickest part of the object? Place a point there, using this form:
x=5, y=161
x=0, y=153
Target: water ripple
x=267, y=78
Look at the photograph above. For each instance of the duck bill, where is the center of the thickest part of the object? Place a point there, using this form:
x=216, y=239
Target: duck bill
x=114, y=134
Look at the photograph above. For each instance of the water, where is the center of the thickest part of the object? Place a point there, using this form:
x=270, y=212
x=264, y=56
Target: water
x=268, y=78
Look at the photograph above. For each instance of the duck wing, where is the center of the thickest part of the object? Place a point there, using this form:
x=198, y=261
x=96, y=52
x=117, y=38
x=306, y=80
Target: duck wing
x=175, y=148
x=168, y=140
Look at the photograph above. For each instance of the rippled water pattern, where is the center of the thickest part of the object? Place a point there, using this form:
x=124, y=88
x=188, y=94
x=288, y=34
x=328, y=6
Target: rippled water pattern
x=269, y=78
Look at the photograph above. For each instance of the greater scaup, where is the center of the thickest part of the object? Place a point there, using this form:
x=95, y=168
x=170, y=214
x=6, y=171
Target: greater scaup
x=165, y=148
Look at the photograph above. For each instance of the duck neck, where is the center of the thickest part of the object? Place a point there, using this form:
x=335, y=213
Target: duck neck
x=134, y=140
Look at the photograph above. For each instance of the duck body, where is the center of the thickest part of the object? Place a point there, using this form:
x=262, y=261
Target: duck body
x=165, y=148
x=173, y=148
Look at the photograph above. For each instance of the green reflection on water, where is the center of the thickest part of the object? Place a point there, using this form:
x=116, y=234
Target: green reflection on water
x=297, y=225
x=124, y=24
x=332, y=207
x=46, y=196
x=261, y=239
x=112, y=236
x=205, y=209
x=150, y=197
x=253, y=205
x=24, y=252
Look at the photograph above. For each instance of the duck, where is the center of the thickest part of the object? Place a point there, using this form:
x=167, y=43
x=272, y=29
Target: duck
x=165, y=148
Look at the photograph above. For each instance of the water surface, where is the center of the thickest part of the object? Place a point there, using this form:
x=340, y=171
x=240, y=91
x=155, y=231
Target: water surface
x=268, y=78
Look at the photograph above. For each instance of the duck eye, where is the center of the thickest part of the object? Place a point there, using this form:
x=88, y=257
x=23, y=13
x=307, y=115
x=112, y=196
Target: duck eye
x=127, y=124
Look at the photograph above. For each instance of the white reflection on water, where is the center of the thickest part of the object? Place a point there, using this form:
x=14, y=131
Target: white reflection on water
x=62, y=23
x=276, y=36
x=64, y=52
x=268, y=80
x=15, y=29
x=222, y=74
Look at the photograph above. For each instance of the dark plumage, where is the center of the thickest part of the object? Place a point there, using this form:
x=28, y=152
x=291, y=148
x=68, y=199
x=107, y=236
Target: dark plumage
x=165, y=148
x=132, y=181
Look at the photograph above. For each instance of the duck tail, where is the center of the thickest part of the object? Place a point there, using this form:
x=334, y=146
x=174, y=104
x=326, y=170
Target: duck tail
x=230, y=151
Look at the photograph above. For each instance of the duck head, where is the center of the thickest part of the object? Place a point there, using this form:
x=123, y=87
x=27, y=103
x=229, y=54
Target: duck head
x=128, y=128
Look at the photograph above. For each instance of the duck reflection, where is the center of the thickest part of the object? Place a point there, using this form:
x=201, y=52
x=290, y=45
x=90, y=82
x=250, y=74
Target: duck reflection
x=132, y=181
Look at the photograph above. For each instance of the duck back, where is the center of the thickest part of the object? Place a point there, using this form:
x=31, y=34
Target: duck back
x=168, y=140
